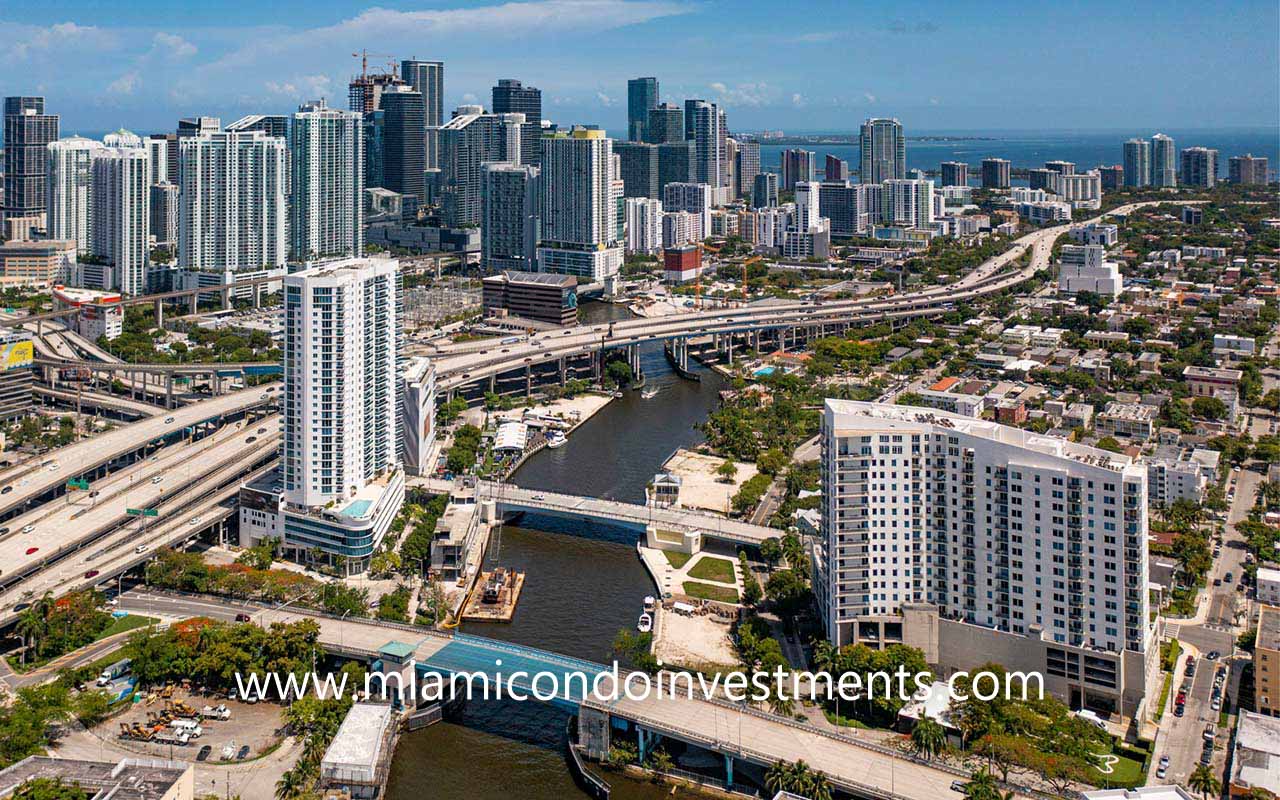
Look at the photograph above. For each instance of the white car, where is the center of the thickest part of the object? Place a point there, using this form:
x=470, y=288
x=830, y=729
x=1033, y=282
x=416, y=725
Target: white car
x=193, y=521
x=142, y=548
x=28, y=528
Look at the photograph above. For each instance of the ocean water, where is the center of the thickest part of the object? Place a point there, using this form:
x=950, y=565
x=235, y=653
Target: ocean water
x=1032, y=149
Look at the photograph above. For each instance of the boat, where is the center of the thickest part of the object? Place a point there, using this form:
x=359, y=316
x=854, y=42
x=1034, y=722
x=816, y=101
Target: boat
x=649, y=393
x=650, y=603
x=645, y=624
x=617, y=393
x=556, y=439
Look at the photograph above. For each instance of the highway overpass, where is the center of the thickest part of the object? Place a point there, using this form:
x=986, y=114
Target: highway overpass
x=42, y=477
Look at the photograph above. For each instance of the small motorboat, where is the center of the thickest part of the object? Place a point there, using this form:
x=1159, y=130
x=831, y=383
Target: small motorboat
x=650, y=602
x=556, y=439
x=645, y=624
x=649, y=393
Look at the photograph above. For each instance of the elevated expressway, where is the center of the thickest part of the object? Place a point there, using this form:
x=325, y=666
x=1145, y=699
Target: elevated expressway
x=44, y=477
x=181, y=483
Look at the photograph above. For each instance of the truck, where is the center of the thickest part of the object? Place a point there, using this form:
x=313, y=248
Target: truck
x=190, y=727
x=216, y=712
x=114, y=671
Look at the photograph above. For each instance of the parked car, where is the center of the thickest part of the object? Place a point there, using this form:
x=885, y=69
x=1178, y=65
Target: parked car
x=203, y=755
x=243, y=754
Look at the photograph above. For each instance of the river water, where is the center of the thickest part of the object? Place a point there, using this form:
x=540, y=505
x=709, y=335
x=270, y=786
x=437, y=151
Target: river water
x=583, y=584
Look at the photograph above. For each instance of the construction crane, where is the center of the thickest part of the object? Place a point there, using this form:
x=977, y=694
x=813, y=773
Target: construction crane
x=363, y=55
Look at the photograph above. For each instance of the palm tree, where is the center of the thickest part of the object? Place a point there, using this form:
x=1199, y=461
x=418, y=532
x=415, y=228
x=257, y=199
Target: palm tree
x=1203, y=780
x=825, y=656
x=982, y=786
x=928, y=738
x=289, y=786
x=778, y=777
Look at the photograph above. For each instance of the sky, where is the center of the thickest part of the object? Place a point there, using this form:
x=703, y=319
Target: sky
x=796, y=66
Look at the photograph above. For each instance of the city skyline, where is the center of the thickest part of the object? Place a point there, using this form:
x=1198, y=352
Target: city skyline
x=162, y=64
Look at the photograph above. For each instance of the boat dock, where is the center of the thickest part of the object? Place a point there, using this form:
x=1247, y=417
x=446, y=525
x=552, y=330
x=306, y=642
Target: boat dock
x=495, y=596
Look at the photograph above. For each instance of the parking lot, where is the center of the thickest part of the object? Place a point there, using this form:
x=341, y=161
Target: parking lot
x=256, y=726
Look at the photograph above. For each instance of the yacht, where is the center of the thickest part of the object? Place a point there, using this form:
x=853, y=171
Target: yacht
x=556, y=439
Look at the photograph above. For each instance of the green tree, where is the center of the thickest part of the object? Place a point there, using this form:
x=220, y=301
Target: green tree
x=982, y=786
x=1203, y=780
x=49, y=789
x=1110, y=443
x=727, y=470
x=928, y=738
x=1209, y=408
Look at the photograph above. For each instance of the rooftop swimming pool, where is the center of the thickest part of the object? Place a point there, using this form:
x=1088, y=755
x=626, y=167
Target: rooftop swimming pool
x=357, y=509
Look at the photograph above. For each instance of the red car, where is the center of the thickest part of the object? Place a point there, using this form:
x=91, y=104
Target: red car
x=93, y=573
x=31, y=550
x=1182, y=698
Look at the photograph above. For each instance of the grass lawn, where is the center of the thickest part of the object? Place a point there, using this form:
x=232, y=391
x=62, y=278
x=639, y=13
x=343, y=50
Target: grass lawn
x=707, y=591
x=676, y=559
x=1126, y=769
x=710, y=568
x=1164, y=696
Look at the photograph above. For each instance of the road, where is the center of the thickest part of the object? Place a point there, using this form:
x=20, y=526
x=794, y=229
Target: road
x=759, y=737
x=38, y=475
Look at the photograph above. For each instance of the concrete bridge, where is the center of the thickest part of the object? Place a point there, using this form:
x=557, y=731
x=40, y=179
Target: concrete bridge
x=741, y=735
x=509, y=498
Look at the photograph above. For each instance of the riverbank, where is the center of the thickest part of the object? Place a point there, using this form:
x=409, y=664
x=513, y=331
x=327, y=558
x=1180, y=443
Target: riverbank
x=701, y=486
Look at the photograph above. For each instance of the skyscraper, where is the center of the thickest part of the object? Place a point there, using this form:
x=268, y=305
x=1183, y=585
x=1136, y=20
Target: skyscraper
x=883, y=151
x=326, y=204
x=1200, y=166
x=69, y=194
x=694, y=198
x=232, y=212
x=1061, y=167
x=748, y=166
x=936, y=524
x=164, y=215
x=1137, y=162
x=708, y=142
x=642, y=95
x=1247, y=169
x=995, y=173
x=122, y=216
x=270, y=124
x=798, y=166
x=638, y=162
x=27, y=134
x=907, y=202
x=836, y=169
x=427, y=78
x=675, y=163
x=665, y=124
x=364, y=93
x=764, y=191
x=512, y=97
x=467, y=142
x=510, y=224
x=644, y=224
x=163, y=148
x=341, y=441
x=1164, y=161
x=579, y=207
x=955, y=173
x=403, y=141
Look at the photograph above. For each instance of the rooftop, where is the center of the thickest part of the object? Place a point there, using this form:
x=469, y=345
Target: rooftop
x=128, y=779
x=1269, y=622
x=858, y=415
x=1257, y=755
x=1213, y=373
x=539, y=278
x=1140, y=793
x=358, y=743
x=1131, y=411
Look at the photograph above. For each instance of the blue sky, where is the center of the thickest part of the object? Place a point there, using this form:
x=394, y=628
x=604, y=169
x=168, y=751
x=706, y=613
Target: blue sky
x=791, y=65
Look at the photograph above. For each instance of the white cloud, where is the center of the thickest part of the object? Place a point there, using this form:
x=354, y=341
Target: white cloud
x=24, y=42
x=869, y=97
x=933, y=101
x=406, y=30
x=127, y=83
x=470, y=97
x=797, y=100
x=307, y=87
x=172, y=45
x=744, y=94
x=815, y=38
x=606, y=100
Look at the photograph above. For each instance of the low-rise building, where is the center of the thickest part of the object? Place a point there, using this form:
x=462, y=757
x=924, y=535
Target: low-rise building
x=1255, y=762
x=1266, y=662
x=1233, y=347
x=1268, y=582
x=1175, y=474
x=681, y=264
x=1078, y=415
x=1128, y=420
x=36, y=264
x=127, y=779
x=1210, y=381
x=358, y=756
x=94, y=313
x=538, y=296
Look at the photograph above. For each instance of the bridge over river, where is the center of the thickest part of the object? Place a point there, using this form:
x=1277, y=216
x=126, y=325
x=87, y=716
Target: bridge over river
x=735, y=732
